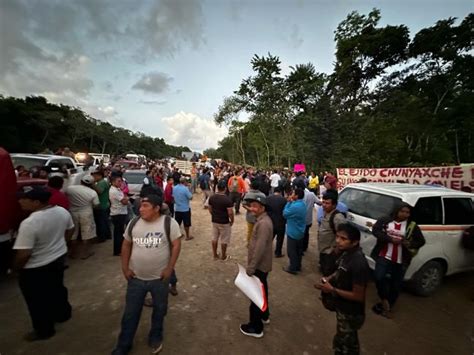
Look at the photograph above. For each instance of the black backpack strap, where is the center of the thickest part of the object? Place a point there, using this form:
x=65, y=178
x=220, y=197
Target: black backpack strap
x=131, y=225
x=168, y=232
x=331, y=221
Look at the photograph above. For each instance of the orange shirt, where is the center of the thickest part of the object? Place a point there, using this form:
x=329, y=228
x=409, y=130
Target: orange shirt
x=240, y=183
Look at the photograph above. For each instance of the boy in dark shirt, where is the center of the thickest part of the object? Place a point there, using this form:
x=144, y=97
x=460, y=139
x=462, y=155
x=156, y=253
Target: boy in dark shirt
x=348, y=286
x=220, y=208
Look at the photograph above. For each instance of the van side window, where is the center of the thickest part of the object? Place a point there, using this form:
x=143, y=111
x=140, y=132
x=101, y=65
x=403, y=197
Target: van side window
x=458, y=210
x=368, y=204
x=428, y=211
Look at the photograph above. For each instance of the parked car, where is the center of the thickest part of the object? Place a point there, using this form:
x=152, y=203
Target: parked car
x=57, y=164
x=128, y=164
x=134, y=179
x=442, y=214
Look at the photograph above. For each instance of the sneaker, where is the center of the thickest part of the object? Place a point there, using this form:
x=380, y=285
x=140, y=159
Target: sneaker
x=156, y=349
x=249, y=331
x=286, y=269
x=377, y=308
x=266, y=321
x=173, y=290
x=33, y=336
x=148, y=302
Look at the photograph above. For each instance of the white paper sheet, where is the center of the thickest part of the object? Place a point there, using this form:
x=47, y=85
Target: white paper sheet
x=252, y=287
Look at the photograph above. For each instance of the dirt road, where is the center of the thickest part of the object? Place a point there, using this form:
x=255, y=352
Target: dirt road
x=204, y=318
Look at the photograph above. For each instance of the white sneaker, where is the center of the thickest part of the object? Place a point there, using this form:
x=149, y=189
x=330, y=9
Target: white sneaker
x=245, y=329
x=157, y=349
x=266, y=321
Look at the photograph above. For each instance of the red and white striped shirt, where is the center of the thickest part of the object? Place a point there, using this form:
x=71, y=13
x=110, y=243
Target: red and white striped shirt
x=390, y=251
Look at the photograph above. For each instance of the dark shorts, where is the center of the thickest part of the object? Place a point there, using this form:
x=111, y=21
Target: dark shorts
x=184, y=217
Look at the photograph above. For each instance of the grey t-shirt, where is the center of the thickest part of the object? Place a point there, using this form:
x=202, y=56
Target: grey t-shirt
x=326, y=236
x=150, y=250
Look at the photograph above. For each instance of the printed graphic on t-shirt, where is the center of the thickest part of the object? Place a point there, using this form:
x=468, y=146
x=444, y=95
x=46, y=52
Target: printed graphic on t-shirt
x=150, y=240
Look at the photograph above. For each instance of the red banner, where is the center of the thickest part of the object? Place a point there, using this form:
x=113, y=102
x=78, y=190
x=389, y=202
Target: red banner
x=453, y=177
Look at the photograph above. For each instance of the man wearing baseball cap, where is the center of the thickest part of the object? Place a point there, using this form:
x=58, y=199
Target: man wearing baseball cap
x=83, y=198
x=259, y=262
x=150, y=249
x=40, y=251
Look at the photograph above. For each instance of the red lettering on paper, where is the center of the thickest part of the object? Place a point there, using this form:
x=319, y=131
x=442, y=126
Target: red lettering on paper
x=435, y=172
x=457, y=172
x=455, y=184
x=445, y=173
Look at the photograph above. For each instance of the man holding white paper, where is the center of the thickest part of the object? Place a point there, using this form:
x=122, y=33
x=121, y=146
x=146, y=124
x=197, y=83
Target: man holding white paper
x=259, y=263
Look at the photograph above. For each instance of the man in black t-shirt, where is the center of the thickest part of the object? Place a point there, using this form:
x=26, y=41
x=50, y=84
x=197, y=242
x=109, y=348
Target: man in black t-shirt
x=220, y=208
x=275, y=205
x=347, y=285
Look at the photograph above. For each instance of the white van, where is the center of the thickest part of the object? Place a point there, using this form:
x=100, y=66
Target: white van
x=133, y=157
x=442, y=214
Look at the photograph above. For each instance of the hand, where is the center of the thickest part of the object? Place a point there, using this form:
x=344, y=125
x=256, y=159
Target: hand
x=325, y=287
x=231, y=223
x=405, y=243
x=129, y=274
x=166, y=274
x=396, y=240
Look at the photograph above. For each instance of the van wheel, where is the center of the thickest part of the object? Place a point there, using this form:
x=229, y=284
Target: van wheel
x=428, y=279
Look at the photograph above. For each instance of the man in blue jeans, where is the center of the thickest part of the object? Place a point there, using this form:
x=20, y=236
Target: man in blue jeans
x=295, y=215
x=147, y=264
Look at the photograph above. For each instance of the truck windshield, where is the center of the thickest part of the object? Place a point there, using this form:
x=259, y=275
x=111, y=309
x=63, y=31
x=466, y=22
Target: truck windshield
x=27, y=162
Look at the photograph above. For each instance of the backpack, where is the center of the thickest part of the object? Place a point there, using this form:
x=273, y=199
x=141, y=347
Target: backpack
x=409, y=237
x=235, y=185
x=135, y=219
x=203, y=184
x=331, y=220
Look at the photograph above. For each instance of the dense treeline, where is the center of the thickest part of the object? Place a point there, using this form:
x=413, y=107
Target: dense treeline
x=33, y=124
x=390, y=101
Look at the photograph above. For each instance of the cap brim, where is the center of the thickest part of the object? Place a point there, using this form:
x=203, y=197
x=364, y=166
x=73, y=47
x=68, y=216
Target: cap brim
x=253, y=200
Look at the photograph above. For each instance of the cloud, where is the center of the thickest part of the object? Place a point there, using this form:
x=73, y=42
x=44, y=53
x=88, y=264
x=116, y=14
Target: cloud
x=296, y=40
x=190, y=130
x=152, y=102
x=170, y=25
x=56, y=48
x=52, y=46
x=153, y=82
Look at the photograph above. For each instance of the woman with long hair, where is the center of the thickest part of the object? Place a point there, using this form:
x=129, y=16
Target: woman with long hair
x=398, y=240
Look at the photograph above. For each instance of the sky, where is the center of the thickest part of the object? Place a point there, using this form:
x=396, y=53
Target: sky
x=163, y=67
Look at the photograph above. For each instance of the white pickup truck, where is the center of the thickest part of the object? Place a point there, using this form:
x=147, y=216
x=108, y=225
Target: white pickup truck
x=55, y=163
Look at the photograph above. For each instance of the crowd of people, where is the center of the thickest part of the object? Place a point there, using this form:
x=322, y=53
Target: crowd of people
x=147, y=236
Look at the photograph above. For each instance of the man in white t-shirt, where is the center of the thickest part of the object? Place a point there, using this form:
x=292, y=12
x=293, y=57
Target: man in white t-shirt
x=83, y=199
x=148, y=261
x=274, y=180
x=40, y=250
x=118, y=211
